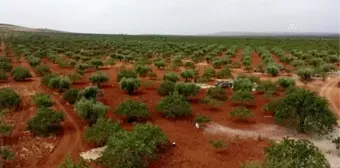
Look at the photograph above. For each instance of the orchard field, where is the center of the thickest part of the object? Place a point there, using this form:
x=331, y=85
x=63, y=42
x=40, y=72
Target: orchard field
x=152, y=101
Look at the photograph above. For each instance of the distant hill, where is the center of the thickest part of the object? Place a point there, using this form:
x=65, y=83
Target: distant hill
x=10, y=27
x=275, y=34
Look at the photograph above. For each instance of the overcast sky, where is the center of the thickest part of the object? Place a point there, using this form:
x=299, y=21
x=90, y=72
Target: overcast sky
x=173, y=16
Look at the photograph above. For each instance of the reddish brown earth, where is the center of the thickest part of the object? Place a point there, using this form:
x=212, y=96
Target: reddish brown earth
x=238, y=56
x=277, y=60
x=255, y=59
x=193, y=146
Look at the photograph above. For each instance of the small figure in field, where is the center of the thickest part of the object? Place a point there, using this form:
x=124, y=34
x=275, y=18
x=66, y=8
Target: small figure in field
x=174, y=144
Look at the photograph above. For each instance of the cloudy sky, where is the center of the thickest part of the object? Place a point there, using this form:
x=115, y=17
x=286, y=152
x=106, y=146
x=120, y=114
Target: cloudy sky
x=173, y=16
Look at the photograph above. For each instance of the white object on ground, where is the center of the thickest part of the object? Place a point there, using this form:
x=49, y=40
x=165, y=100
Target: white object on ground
x=197, y=125
x=93, y=154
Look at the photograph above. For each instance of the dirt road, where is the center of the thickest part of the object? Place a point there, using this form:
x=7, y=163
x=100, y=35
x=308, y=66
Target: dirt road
x=70, y=140
x=327, y=90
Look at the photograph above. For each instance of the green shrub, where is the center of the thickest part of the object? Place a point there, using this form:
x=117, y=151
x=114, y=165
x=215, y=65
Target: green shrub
x=125, y=73
x=160, y=64
x=272, y=69
x=242, y=96
x=142, y=70
x=42, y=100
x=217, y=93
x=129, y=85
x=208, y=73
x=90, y=109
x=268, y=87
x=305, y=74
x=188, y=74
x=242, y=84
x=286, y=82
x=69, y=163
x=5, y=64
x=20, y=73
x=224, y=73
x=171, y=76
x=134, y=149
x=241, y=113
x=90, y=92
x=100, y=132
x=202, y=119
x=45, y=121
x=152, y=76
x=218, y=144
x=3, y=75
x=166, y=87
x=71, y=95
x=60, y=82
x=9, y=98
x=211, y=102
x=174, y=106
x=34, y=61
x=96, y=63
x=187, y=89
x=189, y=65
x=6, y=153
x=98, y=78
x=133, y=110
x=42, y=70
x=294, y=153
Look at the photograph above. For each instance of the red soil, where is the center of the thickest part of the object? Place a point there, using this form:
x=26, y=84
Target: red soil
x=193, y=148
x=238, y=56
x=255, y=59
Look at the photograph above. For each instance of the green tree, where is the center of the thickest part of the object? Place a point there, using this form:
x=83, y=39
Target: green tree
x=241, y=113
x=129, y=85
x=268, y=87
x=166, y=87
x=20, y=73
x=69, y=163
x=90, y=109
x=61, y=83
x=305, y=74
x=71, y=95
x=187, y=89
x=174, y=106
x=290, y=153
x=42, y=100
x=98, y=78
x=208, y=73
x=134, y=149
x=125, y=73
x=42, y=70
x=272, y=69
x=90, y=92
x=217, y=93
x=96, y=63
x=188, y=74
x=306, y=111
x=9, y=98
x=242, y=96
x=160, y=64
x=100, y=132
x=3, y=75
x=224, y=73
x=286, y=82
x=171, y=76
x=45, y=121
x=133, y=110
x=143, y=70
x=242, y=84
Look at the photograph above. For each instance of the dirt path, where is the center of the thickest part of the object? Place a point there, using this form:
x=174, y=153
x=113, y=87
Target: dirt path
x=70, y=140
x=327, y=89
